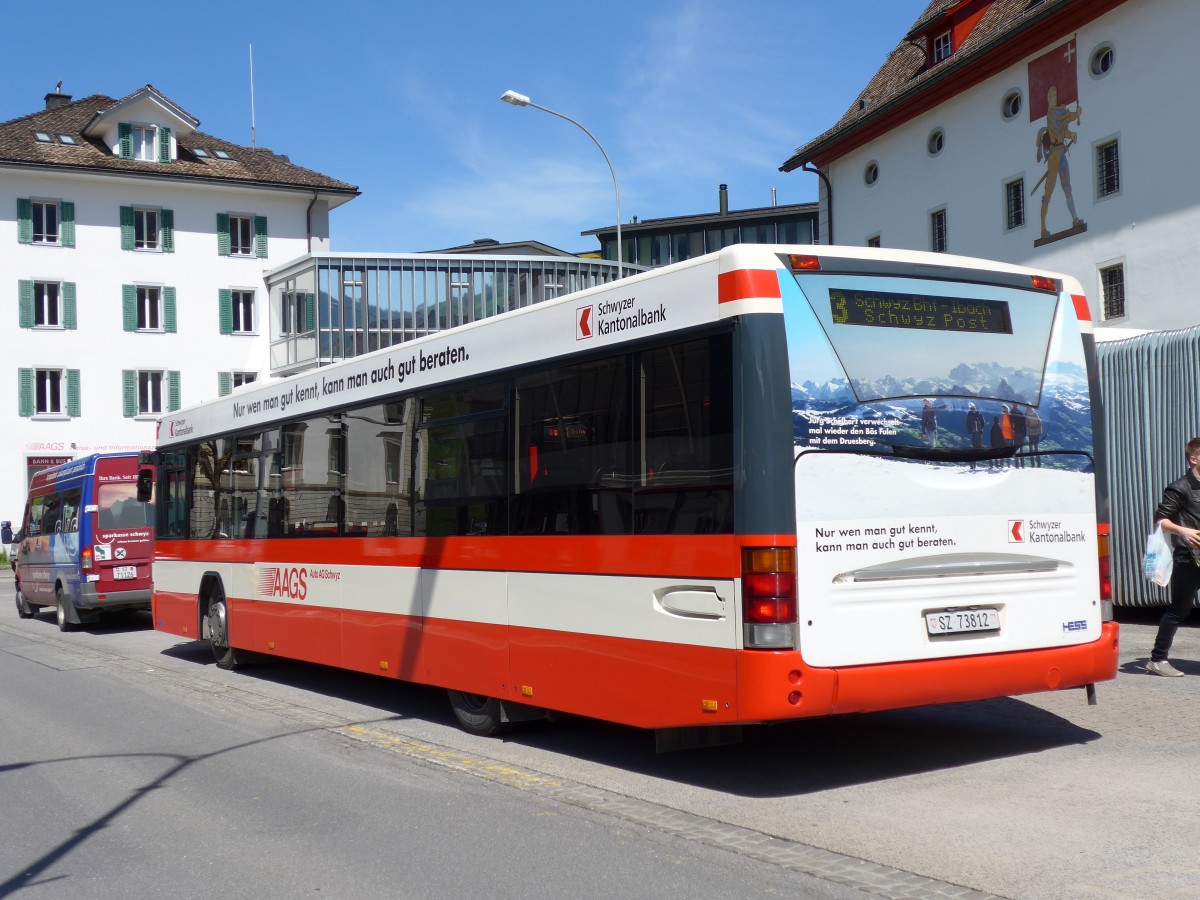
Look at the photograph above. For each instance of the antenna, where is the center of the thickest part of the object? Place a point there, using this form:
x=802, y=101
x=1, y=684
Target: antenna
x=251, y=95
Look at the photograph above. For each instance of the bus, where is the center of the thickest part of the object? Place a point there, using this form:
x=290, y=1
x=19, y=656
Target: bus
x=86, y=540
x=738, y=489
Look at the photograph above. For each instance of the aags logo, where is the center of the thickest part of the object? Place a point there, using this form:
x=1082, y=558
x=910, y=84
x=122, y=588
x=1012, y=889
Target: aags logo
x=285, y=582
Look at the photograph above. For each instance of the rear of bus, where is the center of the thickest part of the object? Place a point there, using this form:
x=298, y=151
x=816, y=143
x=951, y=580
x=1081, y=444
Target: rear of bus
x=117, y=539
x=945, y=550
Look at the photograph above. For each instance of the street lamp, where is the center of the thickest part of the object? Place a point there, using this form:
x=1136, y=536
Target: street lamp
x=516, y=99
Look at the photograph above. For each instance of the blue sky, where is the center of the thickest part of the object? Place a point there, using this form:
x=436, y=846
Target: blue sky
x=403, y=99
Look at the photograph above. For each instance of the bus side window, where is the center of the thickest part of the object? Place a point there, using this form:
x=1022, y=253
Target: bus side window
x=70, y=510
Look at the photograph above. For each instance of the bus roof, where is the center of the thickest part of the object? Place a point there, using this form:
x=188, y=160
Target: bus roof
x=682, y=296
x=76, y=468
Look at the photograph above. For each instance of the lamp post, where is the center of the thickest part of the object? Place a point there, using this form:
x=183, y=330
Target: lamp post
x=516, y=99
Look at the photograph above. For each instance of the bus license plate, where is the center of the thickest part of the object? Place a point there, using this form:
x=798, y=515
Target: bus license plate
x=963, y=620
x=125, y=573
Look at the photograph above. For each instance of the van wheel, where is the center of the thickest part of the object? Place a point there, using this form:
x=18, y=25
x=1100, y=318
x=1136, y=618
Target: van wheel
x=63, y=610
x=218, y=634
x=477, y=714
x=24, y=610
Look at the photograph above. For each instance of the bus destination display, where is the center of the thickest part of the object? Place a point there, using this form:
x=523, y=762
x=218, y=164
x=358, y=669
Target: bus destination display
x=885, y=309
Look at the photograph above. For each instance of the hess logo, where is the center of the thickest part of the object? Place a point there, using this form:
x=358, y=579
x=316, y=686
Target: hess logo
x=285, y=582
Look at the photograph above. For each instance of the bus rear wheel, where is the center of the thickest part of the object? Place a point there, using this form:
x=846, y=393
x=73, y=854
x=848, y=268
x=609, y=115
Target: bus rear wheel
x=478, y=714
x=218, y=634
x=63, y=611
x=24, y=610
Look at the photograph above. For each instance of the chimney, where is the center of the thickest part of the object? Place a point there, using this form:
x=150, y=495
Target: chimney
x=724, y=197
x=56, y=100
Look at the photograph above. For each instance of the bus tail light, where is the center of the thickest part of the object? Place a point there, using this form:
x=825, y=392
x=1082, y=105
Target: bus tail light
x=804, y=262
x=1106, y=602
x=85, y=558
x=769, y=598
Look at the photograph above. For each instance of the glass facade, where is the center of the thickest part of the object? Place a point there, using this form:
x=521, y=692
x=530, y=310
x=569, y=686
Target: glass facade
x=674, y=242
x=325, y=308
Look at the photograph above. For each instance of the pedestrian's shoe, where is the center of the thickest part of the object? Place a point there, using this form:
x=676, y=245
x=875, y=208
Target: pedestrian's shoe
x=1162, y=667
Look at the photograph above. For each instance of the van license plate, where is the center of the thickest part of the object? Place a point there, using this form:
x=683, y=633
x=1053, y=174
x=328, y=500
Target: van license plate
x=963, y=620
x=125, y=573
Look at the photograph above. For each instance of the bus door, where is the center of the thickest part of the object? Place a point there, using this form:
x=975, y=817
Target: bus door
x=120, y=527
x=33, y=556
x=944, y=492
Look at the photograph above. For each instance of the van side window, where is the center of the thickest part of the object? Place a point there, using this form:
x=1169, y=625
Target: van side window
x=33, y=523
x=70, y=510
x=51, y=510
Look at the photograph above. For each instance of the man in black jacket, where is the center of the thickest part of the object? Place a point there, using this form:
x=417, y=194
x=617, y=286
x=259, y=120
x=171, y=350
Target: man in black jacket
x=1179, y=515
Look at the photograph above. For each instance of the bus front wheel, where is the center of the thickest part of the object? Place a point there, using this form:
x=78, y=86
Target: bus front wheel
x=477, y=714
x=218, y=634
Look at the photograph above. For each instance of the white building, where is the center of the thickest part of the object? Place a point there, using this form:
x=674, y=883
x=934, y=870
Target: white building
x=967, y=136
x=134, y=248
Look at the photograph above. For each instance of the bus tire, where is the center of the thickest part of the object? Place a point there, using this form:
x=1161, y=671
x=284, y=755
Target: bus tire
x=64, y=612
x=218, y=633
x=24, y=610
x=477, y=714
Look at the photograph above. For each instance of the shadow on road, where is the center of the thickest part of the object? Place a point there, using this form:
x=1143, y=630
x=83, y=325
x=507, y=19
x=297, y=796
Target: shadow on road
x=119, y=622
x=789, y=759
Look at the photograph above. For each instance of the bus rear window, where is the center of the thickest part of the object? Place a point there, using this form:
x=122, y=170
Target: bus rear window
x=118, y=508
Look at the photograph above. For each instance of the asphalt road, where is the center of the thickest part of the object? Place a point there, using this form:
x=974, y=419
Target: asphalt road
x=128, y=762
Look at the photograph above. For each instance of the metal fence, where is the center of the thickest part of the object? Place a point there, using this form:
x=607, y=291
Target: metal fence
x=1150, y=387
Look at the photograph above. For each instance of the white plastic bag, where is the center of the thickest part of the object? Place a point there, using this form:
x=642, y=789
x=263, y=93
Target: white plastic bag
x=1157, y=563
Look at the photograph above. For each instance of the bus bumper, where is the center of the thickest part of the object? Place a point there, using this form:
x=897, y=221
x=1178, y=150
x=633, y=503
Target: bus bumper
x=90, y=598
x=778, y=686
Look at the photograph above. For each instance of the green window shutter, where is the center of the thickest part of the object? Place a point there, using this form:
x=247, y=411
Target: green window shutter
x=164, y=144
x=25, y=392
x=310, y=313
x=223, y=234
x=25, y=303
x=24, y=221
x=129, y=307
x=172, y=391
x=68, y=301
x=260, y=236
x=66, y=224
x=129, y=388
x=225, y=296
x=125, y=140
x=168, y=295
x=224, y=384
x=73, y=393
x=167, y=238
x=126, y=227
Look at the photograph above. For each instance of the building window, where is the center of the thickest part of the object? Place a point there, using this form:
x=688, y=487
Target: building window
x=1010, y=106
x=942, y=47
x=47, y=305
x=243, y=312
x=47, y=392
x=936, y=142
x=937, y=231
x=871, y=172
x=241, y=378
x=149, y=309
x=873, y=241
x=296, y=318
x=1112, y=290
x=241, y=235
x=1108, y=169
x=45, y=222
x=1014, y=204
x=145, y=229
x=1103, y=59
x=150, y=393
x=144, y=144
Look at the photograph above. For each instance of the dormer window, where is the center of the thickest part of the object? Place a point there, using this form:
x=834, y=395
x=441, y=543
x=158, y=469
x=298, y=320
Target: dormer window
x=221, y=154
x=200, y=152
x=942, y=47
x=148, y=143
x=42, y=137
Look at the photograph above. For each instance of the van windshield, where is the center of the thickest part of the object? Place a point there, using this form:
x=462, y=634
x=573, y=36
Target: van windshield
x=118, y=508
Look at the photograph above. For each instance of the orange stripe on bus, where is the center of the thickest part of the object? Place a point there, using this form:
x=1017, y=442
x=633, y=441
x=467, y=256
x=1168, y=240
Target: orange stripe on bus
x=1081, y=308
x=743, y=283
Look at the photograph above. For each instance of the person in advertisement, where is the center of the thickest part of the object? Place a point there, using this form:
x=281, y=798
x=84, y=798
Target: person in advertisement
x=975, y=425
x=1018, y=425
x=996, y=442
x=1033, y=430
x=929, y=426
x=1179, y=515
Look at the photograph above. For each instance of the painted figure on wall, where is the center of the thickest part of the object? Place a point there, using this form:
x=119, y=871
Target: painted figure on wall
x=1054, y=142
x=1053, y=88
